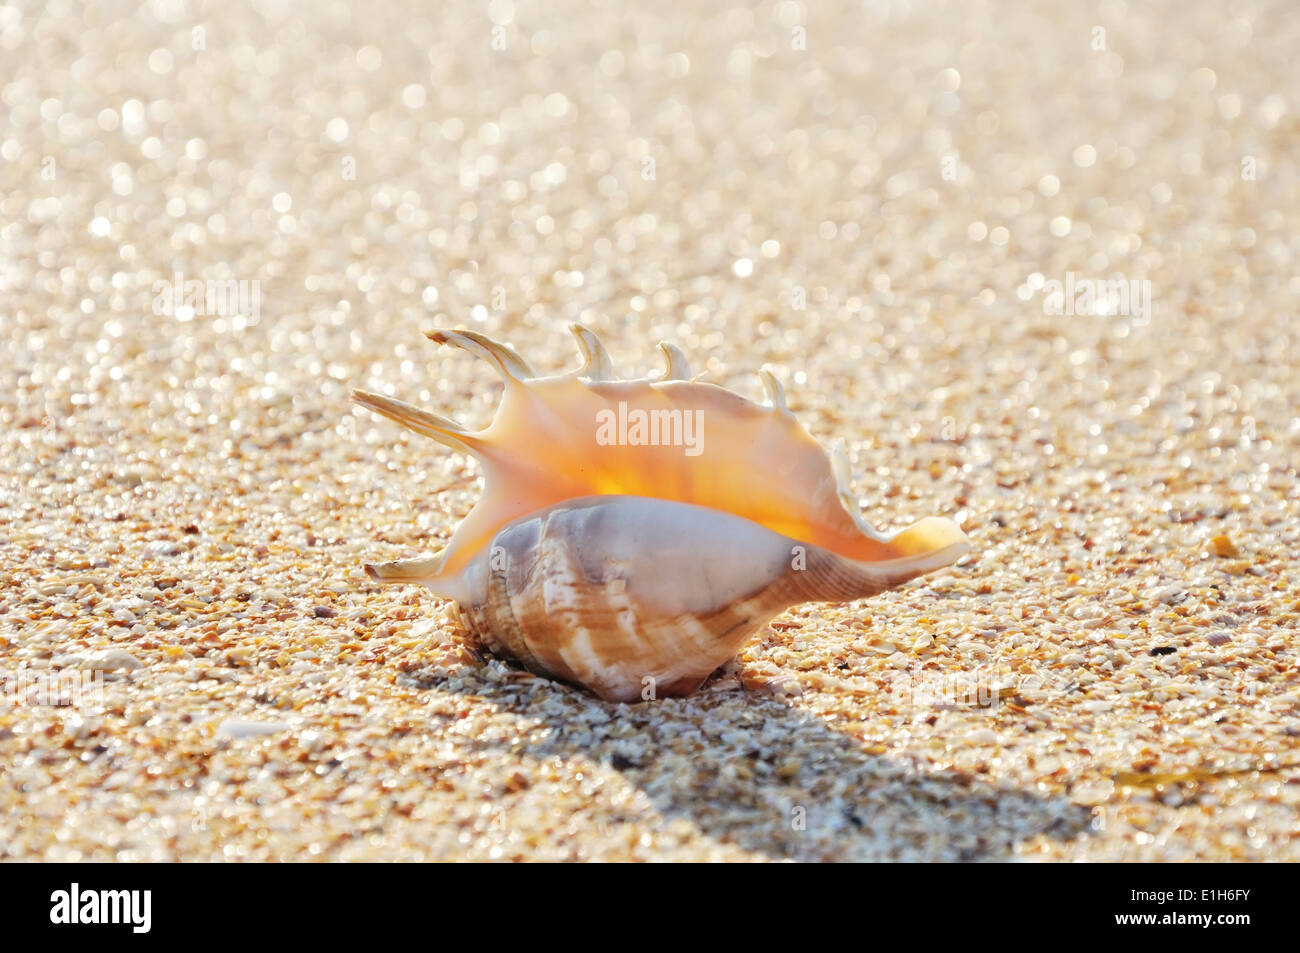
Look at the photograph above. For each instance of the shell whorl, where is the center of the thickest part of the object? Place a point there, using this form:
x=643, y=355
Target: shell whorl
x=621, y=593
x=617, y=565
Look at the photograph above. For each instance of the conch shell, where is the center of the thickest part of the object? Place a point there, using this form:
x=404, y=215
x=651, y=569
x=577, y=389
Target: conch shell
x=633, y=535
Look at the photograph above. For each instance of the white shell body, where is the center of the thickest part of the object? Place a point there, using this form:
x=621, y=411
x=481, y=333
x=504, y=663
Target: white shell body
x=634, y=597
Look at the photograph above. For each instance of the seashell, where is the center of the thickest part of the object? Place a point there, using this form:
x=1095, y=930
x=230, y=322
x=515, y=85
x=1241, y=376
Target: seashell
x=633, y=535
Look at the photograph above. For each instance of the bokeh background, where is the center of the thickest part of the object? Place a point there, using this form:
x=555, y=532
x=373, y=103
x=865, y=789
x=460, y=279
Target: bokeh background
x=871, y=198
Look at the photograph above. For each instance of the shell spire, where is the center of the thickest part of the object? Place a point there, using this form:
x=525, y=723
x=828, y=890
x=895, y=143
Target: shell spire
x=678, y=369
x=501, y=356
x=446, y=432
x=596, y=364
x=774, y=389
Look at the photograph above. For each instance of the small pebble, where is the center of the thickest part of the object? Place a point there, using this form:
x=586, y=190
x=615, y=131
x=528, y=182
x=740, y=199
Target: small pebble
x=239, y=728
x=1222, y=545
x=112, y=660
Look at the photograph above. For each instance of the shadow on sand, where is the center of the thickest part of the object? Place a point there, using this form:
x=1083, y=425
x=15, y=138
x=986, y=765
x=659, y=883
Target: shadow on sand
x=751, y=770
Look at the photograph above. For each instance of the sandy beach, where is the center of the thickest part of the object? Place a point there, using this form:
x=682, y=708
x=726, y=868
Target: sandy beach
x=1033, y=264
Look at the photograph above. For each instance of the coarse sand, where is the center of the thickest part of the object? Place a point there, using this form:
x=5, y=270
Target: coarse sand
x=890, y=204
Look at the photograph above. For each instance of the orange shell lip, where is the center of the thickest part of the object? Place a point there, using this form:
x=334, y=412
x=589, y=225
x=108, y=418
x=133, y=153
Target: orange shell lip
x=755, y=460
